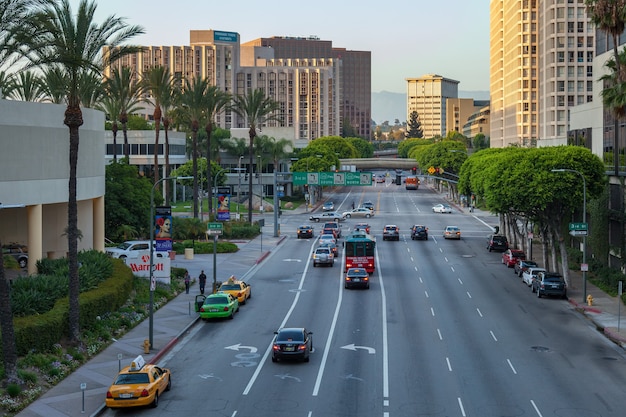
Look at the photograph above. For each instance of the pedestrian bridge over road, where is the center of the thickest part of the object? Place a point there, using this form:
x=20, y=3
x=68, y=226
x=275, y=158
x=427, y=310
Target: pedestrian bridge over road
x=379, y=163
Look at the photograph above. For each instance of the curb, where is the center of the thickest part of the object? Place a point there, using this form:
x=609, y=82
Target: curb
x=266, y=254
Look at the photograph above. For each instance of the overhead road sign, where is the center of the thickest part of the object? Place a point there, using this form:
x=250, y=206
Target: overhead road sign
x=332, y=178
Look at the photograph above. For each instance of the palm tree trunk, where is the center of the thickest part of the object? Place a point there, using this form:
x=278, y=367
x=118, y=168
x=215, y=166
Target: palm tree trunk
x=73, y=119
x=114, y=130
x=252, y=133
x=157, y=128
x=194, y=158
x=168, y=197
x=616, y=114
x=209, y=129
x=9, y=350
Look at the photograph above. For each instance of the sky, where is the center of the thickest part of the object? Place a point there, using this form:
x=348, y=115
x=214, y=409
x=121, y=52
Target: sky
x=407, y=38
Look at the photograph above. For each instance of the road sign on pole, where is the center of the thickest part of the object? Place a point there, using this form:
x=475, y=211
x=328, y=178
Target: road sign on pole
x=332, y=178
x=215, y=228
x=578, y=226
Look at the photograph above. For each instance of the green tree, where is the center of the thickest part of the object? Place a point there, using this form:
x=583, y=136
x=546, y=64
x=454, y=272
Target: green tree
x=364, y=148
x=610, y=17
x=26, y=86
x=480, y=141
x=127, y=201
x=111, y=107
x=190, y=112
x=13, y=14
x=122, y=87
x=54, y=37
x=255, y=108
x=53, y=82
x=414, y=127
x=215, y=101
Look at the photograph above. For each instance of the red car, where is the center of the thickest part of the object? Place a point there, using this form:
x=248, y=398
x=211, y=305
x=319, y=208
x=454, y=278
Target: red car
x=510, y=256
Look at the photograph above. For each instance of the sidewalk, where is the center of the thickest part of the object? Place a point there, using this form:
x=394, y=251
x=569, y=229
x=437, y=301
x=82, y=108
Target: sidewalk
x=606, y=312
x=170, y=324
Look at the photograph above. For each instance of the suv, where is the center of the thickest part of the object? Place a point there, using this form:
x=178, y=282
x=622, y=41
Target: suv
x=131, y=249
x=323, y=256
x=336, y=227
x=391, y=232
x=549, y=283
x=419, y=232
x=497, y=242
x=18, y=252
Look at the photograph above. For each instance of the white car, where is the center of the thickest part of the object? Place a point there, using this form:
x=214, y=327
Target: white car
x=358, y=212
x=132, y=249
x=327, y=216
x=442, y=208
x=327, y=238
x=530, y=274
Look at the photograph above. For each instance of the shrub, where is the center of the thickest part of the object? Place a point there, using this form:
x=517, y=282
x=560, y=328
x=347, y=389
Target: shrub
x=13, y=390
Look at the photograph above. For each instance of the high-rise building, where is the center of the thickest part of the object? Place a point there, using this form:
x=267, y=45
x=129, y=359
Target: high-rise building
x=355, y=75
x=541, y=56
x=427, y=96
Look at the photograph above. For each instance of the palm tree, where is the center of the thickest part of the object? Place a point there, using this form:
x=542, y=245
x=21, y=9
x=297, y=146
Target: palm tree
x=26, y=86
x=610, y=17
x=111, y=107
x=216, y=101
x=157, y=82
x=191, y=112
x=53, y=83
x=122, y=86
x=91, y=90
x=56, y=37
x=255, y=108
x=13, y=14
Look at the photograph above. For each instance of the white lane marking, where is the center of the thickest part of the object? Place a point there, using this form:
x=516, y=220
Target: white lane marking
x=512, y=367
x=446, y=258
x=449, y=366
x=257, y=371
x=479, y=313
x=384, y=329
x=461, y=406
x=432, y=311
x=460, y=281
x=439, y=333
x=536, y=409
x=494, y=336
x=426, y=293
x=469, y=295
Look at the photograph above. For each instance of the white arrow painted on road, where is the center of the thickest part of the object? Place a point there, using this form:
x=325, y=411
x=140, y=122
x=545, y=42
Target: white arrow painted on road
x=370, y=350
x=238, y=346
x=292, y=260
x=286, y=376
x=209, y=376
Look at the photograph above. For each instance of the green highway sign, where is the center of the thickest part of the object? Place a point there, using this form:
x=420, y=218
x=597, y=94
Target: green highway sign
x=215, y=228
x=332, y=178
x=578, y=226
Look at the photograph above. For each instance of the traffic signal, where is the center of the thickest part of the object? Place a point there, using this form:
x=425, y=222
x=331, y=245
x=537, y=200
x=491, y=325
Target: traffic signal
x=414, y=170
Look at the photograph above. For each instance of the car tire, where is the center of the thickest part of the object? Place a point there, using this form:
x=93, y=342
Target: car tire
x=23, y=263
x=232, y=315
x=367, y=216
x=155, y=402
x=348, y=216
x=317, y=220
x=274, y=359
x=122, y=257
x=169, y=384
x=307, y=359
x=489, y=248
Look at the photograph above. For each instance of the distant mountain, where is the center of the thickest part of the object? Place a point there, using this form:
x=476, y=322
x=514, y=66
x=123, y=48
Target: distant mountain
x=388, y=106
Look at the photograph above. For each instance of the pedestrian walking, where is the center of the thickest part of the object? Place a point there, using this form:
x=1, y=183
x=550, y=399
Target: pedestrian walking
x=202, y=281
x=353, y=205
x=187, y=282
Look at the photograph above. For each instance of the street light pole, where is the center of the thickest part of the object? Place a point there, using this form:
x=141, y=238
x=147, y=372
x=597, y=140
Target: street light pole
x=586, y=231
x=152, y=281
x=239, y=186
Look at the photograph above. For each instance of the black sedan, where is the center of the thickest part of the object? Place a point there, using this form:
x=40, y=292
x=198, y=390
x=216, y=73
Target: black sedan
x=357, y=277
x=419, y=232
x=292, y=343
x=305, y=231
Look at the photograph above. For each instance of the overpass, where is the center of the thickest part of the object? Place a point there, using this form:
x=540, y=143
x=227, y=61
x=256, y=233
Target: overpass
x=362, y=164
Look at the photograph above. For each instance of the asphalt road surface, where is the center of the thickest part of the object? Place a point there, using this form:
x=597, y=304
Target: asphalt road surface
x=444, y=330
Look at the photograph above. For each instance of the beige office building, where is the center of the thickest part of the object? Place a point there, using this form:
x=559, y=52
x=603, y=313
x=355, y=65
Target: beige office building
x=459, y=111
x=541, y=65
x=427, y=96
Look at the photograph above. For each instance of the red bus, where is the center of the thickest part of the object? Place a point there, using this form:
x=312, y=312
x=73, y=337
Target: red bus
x=359, y=251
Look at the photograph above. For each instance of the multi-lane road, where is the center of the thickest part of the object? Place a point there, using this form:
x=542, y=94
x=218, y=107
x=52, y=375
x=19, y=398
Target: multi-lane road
x=444, y=330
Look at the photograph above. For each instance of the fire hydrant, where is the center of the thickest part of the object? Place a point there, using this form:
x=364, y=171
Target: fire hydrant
x=146, y=346
x=589, y=300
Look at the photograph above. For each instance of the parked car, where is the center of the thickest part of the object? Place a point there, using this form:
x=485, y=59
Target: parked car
x=452, y=232
x=522, y=265
x=292, y=343
x=131, y=249
x=358, y=212
x=323, y=256
x=549, y=283
x=510, y=256
x=305, y=231
x=18, y=252
x=218, y=305
x=530, y=274
x=357, y=277
x=331, y=216
x=138, y=385
x=391, y=232
x=328, y=206
x=238, y=289
x=442, y=208
x=497, y=242
x=419, y=231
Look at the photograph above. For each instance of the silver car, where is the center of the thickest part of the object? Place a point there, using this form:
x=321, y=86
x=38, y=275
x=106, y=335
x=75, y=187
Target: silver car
x=359, y=212
x=530, y=274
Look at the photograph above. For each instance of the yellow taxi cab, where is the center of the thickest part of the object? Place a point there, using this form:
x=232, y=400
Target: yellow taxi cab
x=238, y=289
x=138, y=384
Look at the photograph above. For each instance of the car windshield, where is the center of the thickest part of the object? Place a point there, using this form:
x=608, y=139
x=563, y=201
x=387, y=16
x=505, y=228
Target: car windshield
x=124, y=246
x=126, y=379
x=290, y=336
x=216, y=300
x=230, y=287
